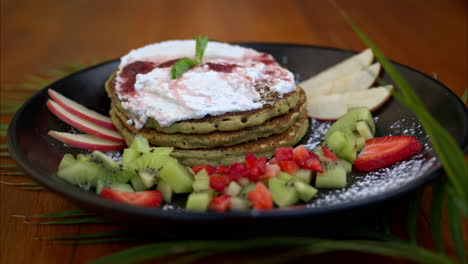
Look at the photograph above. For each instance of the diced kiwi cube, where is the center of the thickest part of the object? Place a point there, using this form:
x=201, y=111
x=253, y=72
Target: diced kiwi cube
x=348, y=167
x=283, y=192
x=233, y=189
x=284, y=176
x=305, y=191
x=333, y=177
x=244, y=181
x=202, y=182
x=104, y=160
x=239, y=204
x=82, y=173
x=335, y=142
x=140, y=144
x=360, y=143
x=198, y=202
x=303, y=175
x=165, y=190
x=129, y=155
x=364, y=130
x=176, y=175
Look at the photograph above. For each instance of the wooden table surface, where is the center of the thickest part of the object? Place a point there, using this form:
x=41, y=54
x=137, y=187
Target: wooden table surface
x=428, y=35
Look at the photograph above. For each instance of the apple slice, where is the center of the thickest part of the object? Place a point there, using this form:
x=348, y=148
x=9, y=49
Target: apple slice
x=332, y=107
x=344, y=68
x=360, y=80
x=82, y=124
x=84, y=141
x=81, y=111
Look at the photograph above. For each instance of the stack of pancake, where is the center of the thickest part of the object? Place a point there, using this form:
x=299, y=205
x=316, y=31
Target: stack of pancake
x=226, y=138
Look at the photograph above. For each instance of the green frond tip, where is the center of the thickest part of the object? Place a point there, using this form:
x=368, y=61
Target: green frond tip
x=455, y=226
x=437, y=202
x=7, y=166
x=93, y=235
x=13, y=173
x=464, y=97
x=68, y=213
x=74, y=221
x=4, y=154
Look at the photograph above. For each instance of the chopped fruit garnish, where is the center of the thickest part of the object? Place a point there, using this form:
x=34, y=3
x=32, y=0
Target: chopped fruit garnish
x=289, y=166
x=312, y=164
x=237, y=170
x=272, y=161
x=255, y=166
x=220, y=169
x=219, y=182
x=300, y=153
x=209, y=169
x=329, y=154
x=260, y=197
x=271, y=170
x=144, y=198
x=285, y=153
x=220, y=203
x=383, y=151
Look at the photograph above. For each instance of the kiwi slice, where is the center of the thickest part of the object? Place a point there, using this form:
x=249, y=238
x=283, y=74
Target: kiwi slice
x=137, y=183
x=332, y=177
x=129, y=155
x=161, y=150
x=147, y=167
x=140, y=144
x=198, y=202
x=348, y=121
x=176, y=175
x=66, y=161
x=283, y=192
x=82, y=173
x=165, y=190
x=305, y=191
x=114, y=172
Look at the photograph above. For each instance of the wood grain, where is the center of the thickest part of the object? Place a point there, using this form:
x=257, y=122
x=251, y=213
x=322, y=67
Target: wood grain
x=428, y=35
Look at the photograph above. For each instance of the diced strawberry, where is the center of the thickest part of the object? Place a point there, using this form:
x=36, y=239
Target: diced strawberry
x=272, y=161
x=237, y=170
x=260, y=197
x=143, y=198
x=220, y=203
x=285, y=153
x=329, y=154
x=383, y=151
x=219, y=182
x=312, y=164
x=271, y=170
x=209, y=169
x=256, y=167
x=220, y=169
x=289, y=166
x=300, y=153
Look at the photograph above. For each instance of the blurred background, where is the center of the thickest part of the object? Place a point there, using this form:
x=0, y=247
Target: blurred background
x=428, y=35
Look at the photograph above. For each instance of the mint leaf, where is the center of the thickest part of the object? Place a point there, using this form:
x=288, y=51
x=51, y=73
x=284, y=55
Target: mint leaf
x=201, y=43
x=182, y=66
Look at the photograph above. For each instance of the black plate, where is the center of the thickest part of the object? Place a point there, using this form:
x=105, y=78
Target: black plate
x=39, y=155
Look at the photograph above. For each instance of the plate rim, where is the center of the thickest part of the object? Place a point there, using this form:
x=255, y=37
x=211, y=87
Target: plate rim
x=93, y=201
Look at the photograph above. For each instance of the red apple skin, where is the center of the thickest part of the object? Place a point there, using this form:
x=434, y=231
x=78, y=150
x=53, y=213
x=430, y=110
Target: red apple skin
x=83, y=125
x=56, y=97
x=74, y=141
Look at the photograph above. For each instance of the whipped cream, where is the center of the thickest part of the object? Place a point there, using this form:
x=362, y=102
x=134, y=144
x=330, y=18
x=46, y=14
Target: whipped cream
x=230, y=79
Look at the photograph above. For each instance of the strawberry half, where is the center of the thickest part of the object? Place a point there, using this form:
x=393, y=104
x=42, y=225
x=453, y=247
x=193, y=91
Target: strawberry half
x=383, y=151
x=144, y=198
